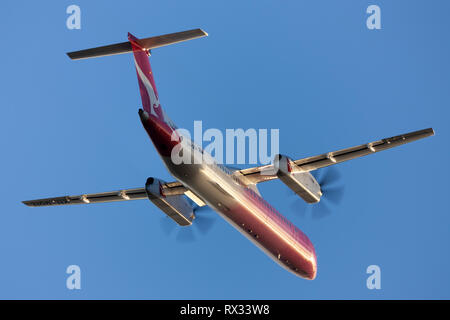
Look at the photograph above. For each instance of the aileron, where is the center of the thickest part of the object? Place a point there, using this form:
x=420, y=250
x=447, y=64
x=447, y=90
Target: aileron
x=317, y=162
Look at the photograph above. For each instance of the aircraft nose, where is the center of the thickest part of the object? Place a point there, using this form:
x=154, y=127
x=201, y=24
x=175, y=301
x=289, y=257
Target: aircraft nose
x=312, y=275
x=313, y=264
x=310, y=269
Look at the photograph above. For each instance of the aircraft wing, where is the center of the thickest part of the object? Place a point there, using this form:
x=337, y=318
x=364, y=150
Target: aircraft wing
x=168, y=189
x=266, y=173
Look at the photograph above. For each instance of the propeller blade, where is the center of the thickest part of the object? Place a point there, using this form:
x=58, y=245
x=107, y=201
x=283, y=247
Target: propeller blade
x=167, y=225
x=299, y=207
x=202, y=220
x=185, y=234
x=204, y=224
x=316, y=174
x=334, y=194
x=320, y=210
x=331, y=175
x=201, y=210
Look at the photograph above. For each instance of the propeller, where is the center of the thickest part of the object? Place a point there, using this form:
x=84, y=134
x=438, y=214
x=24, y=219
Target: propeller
x=167, y=225
x=185, y=234
x=332, y=194
x=326, y=180
x=202, y=222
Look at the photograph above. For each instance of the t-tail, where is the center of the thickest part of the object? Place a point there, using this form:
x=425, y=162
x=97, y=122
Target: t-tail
x=157, y=124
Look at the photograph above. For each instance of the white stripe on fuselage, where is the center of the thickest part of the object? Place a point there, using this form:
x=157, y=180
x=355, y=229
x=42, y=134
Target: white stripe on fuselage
x=154, y=101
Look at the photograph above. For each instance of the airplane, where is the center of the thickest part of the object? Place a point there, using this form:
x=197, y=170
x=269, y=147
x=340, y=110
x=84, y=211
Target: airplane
x=232, y=193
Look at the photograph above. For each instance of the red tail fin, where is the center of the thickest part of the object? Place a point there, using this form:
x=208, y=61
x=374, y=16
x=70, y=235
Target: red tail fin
x=155, y=121
x=159, y=127
x=147, y=87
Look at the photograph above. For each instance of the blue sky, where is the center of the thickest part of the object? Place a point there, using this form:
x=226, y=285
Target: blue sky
x=310, y=68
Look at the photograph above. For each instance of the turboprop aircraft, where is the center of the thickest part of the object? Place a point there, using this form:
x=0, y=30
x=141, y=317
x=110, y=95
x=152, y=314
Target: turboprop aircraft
x=232, y=193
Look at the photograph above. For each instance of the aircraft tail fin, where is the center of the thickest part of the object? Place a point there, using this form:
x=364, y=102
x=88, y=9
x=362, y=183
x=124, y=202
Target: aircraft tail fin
x=147, y=87
x=141, y=50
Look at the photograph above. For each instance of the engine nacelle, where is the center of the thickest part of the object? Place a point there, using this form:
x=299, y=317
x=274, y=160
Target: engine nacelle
x=177, y=207
x=302, y=183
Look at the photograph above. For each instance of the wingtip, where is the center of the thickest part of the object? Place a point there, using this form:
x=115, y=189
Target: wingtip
x=27, y=203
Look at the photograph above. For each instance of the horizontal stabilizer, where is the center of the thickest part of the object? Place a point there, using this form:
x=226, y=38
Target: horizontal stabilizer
x=147, y=43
